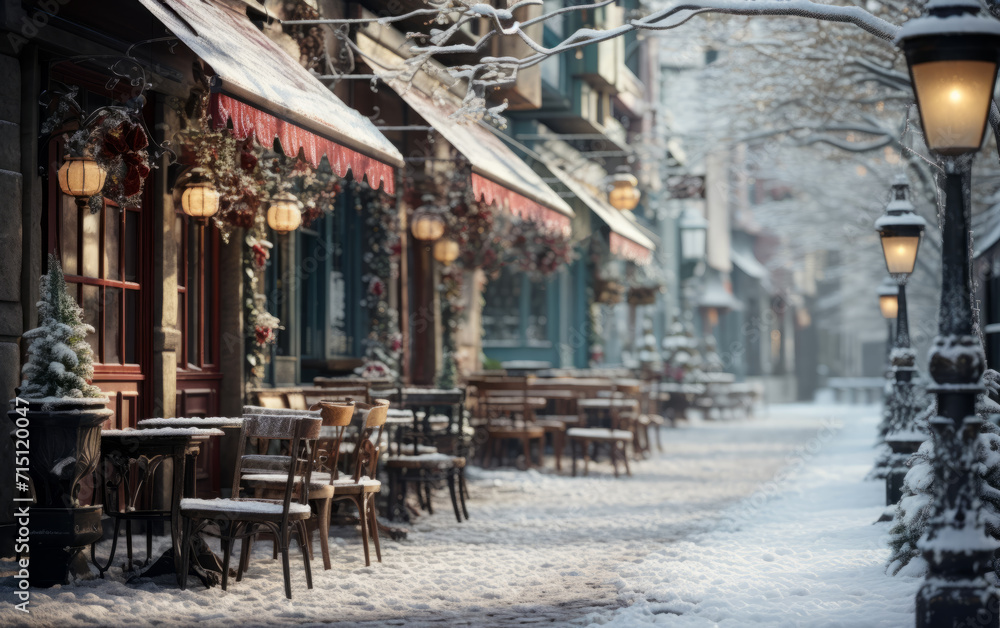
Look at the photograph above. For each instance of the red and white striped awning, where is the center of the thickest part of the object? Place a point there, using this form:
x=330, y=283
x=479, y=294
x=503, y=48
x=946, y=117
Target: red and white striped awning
x=248, y=121
x=499, y=176
x=626, y=239
x=267, y=95
x=521, y=206
x=632, y=251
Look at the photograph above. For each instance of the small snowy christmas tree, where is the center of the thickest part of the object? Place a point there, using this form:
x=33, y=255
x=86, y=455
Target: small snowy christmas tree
x=60, y=361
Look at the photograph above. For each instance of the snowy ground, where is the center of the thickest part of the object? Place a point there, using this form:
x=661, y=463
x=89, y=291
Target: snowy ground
x=802, y=551
x=761, y=522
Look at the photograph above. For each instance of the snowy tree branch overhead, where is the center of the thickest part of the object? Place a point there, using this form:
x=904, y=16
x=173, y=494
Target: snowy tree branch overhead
x=488, y=72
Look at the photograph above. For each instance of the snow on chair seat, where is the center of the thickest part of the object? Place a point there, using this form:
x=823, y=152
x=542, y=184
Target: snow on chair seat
x=320, y=481
x=599, y=433
x=255, y=506
x=418, y=461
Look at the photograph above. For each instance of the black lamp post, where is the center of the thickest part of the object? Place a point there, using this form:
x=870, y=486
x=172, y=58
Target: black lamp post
x=693, y=229
x=888, y=304
x=953, y=53
x=900, y=230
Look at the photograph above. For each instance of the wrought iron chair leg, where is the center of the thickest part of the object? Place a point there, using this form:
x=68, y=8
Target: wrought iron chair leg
x=111, y=558
x=362, y=505
x=285, y=567
x=427, y=489
x=373, y=524
x=454, y=498
x=227, y=552
x=306, y=551
x=128, y=542
x=186, y=551
x=463, y=491
x=244, y=558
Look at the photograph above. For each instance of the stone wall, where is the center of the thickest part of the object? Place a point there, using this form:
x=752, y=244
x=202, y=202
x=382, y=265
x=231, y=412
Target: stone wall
x=11, y=262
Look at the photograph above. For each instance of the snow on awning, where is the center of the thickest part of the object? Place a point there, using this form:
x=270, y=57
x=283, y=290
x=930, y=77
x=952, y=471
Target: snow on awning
x=716, y=295
x=747, y=262
x=626, y=239
x=266, y=94
x=499, y=176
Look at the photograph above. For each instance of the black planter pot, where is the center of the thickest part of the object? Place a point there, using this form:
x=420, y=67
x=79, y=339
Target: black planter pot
x=64, y=446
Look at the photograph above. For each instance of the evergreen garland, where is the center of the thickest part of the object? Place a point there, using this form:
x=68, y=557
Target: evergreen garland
x=60, y=360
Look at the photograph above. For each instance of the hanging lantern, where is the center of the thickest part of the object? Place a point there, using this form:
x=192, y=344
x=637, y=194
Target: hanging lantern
x=446, y=251
x=427, y=224
x=200, y=200
x=888, y=299
x=81, y=177
x=624, y=195
x=284, y=213
x=952, y=53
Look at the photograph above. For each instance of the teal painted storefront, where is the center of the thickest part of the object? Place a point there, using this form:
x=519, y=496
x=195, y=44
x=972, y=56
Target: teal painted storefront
x=561, y=340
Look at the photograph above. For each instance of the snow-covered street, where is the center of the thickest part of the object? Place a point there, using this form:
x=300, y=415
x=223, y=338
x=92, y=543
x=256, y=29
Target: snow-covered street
x=759, y=522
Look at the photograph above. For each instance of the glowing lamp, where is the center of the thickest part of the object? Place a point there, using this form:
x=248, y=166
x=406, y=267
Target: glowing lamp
x=200, y=200
x=624, y=195
x=952, y=54
x=888, y=299
x=284, y=213
x=81, y=177
x=900, y=230
x=446, y=251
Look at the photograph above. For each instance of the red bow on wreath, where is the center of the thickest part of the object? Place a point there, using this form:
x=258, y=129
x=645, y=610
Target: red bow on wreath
x=128, y=141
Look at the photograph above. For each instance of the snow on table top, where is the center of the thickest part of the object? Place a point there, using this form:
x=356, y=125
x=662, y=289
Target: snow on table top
x=242, y=505
x=165, y=431
x=317, y=478
x=443, y=458
x=213, y=421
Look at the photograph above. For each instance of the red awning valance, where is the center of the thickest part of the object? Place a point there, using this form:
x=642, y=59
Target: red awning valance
x=623, y=247
x=521, y=206
x=249, y=121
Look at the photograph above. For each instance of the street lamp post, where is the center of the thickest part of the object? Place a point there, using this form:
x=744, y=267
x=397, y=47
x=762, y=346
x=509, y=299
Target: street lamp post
x=693, y=229
x=900, y=230
x=952, y=53
x=888, y=305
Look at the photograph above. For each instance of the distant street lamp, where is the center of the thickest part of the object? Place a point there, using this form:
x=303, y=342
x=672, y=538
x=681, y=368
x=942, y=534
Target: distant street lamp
x=900, y=230
x=952, y=53
x=694, y=235
x=888, y=304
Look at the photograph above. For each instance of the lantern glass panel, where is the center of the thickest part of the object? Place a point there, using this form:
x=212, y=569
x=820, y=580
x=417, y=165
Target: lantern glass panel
x=693, y=243
x=954, y=100
x=889, y=304
x=900, y=253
